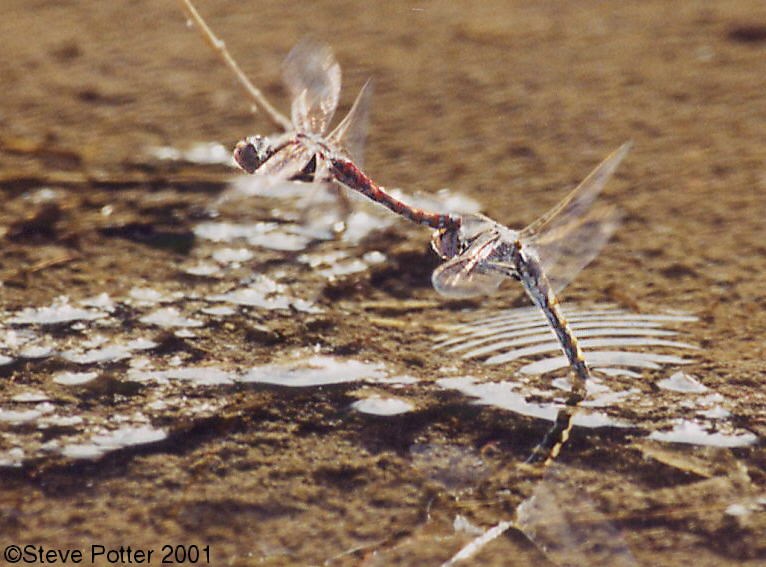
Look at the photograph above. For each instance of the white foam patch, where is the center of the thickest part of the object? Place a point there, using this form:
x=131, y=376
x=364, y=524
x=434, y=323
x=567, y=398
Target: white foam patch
x=148, y=296
x=317, y=370
x=219, y=311
x=110, y=353
x=74, y=378
x=15, y=417
x=374, y=257
x=101, y=301
x=265, y=293
x=682, y=382
x=232, y=255
x=336, y=264
x=60, y=311
x=106, y=352
x=270, y=235
x=204, y=269
x=263, y=186
x=694, y=433
x=714, y=413
x=141, y=344
x=169, y=317
x=12, y=458
x=204, y=153
x=382, y=406
x=360, y=224
x=34, y=352
x=113, y=440
x=30, y=397
x=199, y=375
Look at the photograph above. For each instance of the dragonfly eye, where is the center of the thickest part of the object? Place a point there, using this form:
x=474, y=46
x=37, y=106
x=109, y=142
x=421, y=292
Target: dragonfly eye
x=252, y=152
x=447, y=243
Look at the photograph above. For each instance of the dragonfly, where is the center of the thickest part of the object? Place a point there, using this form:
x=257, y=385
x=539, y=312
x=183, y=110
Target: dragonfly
x=306, y=149
x=545, y=256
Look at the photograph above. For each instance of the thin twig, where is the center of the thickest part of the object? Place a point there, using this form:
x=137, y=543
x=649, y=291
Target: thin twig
x=475, y=545
x=220, y=48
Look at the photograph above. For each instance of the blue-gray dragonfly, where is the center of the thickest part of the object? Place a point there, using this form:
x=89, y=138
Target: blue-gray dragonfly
x=545, y=256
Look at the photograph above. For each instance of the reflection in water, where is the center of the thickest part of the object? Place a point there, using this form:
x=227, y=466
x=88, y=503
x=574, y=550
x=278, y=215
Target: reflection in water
x=563, y=523
x=519, y=333
x=318, y=210
x=502, y=395
x=455, y=467
x=607, y=362
x=643, y=344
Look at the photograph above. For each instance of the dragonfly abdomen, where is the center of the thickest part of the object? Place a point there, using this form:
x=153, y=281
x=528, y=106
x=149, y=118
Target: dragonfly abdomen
x=541, y=292
x=348, y=174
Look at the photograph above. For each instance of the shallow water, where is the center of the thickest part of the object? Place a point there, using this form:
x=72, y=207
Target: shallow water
x=187, y=347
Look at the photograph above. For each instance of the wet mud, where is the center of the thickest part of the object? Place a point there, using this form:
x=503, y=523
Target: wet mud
x=192, y=356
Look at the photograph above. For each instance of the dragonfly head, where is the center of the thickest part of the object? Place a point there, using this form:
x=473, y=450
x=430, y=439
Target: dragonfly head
x=447, y=243
x=453, y=241
x=251, y=152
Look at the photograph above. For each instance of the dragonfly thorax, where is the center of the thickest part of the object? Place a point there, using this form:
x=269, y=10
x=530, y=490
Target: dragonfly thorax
x=453, y=241
x=316, y=143
x=251, y=152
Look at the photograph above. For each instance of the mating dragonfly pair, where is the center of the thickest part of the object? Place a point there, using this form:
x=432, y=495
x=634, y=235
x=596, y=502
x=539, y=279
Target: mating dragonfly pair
x=479, y=253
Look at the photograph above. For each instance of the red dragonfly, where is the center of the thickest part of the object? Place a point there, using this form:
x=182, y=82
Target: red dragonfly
x=305, y=150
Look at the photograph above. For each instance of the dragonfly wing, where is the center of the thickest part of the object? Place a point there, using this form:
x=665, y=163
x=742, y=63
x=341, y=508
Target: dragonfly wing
x=574, y=204
x=569, y=236
x=350, y=133
x=286, y=163
x=471, y=272
x=565, y=250
x=312, y=76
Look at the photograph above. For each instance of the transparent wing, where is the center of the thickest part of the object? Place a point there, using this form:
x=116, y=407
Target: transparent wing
x=567, y=249
x=312, y=76
x=569, y=236
x=473, y=271
x=350, y=133
x=286, y=163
